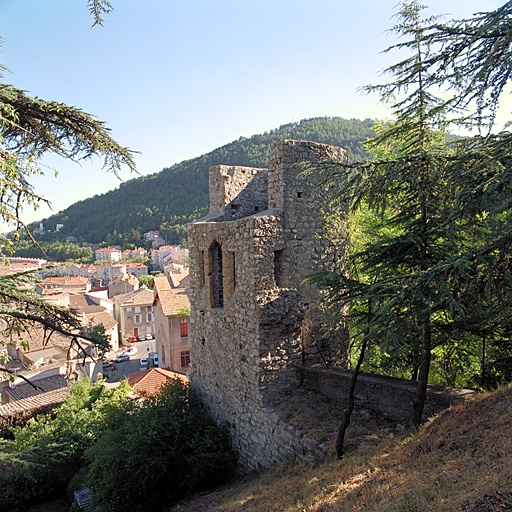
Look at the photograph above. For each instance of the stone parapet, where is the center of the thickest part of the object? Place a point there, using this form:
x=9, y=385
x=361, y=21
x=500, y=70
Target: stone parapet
x=386, y=396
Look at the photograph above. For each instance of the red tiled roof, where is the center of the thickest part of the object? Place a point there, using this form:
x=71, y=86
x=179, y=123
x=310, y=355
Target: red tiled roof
x=171, y=299
x=142, y=297
x=150, y=381
x=108, y=249
x=177, y=274
x=44, y=385
x=50, y=398
x=66, y=281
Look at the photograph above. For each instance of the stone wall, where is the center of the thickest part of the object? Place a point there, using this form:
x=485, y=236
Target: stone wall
x=386, y=396
x=264, y=232
x=237, y=191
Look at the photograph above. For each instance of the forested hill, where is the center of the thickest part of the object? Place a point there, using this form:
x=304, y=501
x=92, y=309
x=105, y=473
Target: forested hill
x=167, y=201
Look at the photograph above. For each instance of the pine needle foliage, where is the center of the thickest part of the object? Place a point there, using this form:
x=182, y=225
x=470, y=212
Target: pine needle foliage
x=437, y=264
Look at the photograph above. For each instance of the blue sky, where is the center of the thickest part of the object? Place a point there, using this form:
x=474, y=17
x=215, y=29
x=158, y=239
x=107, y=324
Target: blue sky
x=175, y=79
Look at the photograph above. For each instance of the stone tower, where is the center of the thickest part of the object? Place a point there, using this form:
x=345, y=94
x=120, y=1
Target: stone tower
x=265, y=230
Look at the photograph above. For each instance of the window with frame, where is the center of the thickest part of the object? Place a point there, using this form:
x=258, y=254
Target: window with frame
x=184, y=327
x=185, y=358
x=137, y=319
x=149, y=317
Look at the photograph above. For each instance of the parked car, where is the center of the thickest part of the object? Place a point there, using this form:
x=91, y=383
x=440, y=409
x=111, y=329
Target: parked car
x=144, y=364
x=141, y=337
x=153, y=357
x=149, y=336
x=122, y=358
x=108, y=365
x=132, y=339
x=131, y=351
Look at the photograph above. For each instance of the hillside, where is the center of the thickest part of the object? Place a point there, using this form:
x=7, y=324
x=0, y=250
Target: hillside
x=170, y=199
x=458, y=462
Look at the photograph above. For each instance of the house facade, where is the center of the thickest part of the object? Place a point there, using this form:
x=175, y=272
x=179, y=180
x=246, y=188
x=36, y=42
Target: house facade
x=134, y=313
x=171, y=307
x=108, y=254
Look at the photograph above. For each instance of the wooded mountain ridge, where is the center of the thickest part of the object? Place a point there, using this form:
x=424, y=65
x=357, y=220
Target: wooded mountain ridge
x=172, y=198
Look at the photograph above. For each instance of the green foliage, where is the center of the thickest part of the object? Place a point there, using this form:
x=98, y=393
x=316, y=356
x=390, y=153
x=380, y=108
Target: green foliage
x=152, y=455
x=54, y=251
x=183, y=312
x=429, y=279
x=168, y=201
x=45, y=454
x=146, y=281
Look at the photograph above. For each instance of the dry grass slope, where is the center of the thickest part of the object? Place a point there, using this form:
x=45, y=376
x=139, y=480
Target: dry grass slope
x=460, y=461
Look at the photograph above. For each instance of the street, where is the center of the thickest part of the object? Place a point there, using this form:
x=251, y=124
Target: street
x=133, y=365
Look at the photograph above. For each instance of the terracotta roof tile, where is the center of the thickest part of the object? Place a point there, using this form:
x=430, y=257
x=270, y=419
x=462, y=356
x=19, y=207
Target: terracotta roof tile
x=102, y=318
x=66, y=281
x=177, y=275
x=140, y=297
x=150, y=381
x=44, y=385
x=170, y=299
x=50, y=398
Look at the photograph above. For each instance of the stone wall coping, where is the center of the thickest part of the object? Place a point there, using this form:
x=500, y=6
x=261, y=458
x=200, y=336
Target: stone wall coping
x=219, y=217
x=395, y=382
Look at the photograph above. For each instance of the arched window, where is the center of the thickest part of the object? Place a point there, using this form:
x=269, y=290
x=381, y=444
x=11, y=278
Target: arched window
x=215, y=275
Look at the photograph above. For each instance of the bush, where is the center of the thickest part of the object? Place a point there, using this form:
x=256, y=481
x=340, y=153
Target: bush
x=153, y=454
x=47, y=452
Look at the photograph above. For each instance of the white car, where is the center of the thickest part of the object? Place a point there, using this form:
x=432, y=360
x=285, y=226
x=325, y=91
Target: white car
x=122, y=358
x=144, y=364
x=131, y=351
x=153, y=356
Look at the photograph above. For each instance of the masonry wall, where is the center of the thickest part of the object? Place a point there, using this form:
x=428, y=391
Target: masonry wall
x=386, y=396
x=248, y=304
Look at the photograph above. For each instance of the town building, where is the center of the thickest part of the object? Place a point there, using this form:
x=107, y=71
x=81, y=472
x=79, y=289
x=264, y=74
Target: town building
x=134, y=314
x=122, y=283
x=138, y=252
x=168, y=254
x=108, y=254
x=57, y=285
x=172, y=310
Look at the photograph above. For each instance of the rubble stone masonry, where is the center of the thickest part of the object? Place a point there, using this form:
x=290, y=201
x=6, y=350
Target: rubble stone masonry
x=264, y=232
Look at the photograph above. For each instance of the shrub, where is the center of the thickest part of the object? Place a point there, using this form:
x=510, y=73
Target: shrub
x=47, y=452
x=151, y=455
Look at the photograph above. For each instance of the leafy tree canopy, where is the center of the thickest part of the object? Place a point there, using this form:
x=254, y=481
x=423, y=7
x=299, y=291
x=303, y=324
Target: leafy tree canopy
x=438, y=262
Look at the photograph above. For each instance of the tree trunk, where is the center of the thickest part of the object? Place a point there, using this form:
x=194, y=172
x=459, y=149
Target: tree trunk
x=421, y=390
x=482, y=363
x=340, y=438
